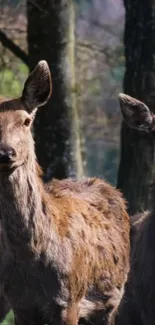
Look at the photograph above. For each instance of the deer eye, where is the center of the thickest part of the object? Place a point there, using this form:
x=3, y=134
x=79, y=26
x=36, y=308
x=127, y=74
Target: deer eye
x=27, y=121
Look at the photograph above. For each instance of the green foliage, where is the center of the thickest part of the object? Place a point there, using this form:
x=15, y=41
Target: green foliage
x=11, y=80
x=118, y=64
x=83, y=5
x=110, y=164
x=83, y=2
x=102, y=160
x=118, y=73
x=9, y=320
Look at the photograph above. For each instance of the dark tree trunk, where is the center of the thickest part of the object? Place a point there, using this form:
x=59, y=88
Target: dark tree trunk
x=137, y=149
x=51, y=37
x=4, y=308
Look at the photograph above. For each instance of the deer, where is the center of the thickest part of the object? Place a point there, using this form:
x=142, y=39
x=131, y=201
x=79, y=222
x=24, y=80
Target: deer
x=4, y=307
x=65, y=244
x=137, y=305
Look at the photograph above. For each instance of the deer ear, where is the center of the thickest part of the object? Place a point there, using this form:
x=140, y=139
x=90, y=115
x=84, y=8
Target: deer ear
x=38, y=87
x=135, y=113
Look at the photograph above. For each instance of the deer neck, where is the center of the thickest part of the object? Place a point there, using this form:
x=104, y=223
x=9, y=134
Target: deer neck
x=23, y=208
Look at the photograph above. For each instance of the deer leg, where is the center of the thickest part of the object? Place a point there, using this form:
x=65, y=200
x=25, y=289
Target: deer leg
x=101, y=312
x=4, y=308
x=71, y=316
x=68, y=316
x=21, y=321
x=30, y=317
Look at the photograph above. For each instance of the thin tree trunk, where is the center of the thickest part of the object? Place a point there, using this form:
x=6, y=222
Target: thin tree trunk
x=51, y=37
x=137, y=149
x=76, y=155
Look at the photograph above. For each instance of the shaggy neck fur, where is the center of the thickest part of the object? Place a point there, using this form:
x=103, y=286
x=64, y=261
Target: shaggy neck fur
x=24, y=209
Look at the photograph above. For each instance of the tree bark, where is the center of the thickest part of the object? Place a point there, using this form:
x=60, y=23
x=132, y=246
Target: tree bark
x=135, y=174
x=51, y=37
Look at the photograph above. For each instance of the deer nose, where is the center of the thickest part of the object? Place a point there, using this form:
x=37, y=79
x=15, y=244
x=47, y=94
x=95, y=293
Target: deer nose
x=6, y=155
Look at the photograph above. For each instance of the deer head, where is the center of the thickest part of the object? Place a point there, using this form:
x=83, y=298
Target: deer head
x=16, y=118
x=136, y=114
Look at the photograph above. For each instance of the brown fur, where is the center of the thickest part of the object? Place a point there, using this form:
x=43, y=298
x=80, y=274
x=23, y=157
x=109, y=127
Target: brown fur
x=65, y=245
x=4, y=306
x=137, y=306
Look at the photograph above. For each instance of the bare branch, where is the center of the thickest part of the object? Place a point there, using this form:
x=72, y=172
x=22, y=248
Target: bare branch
x=14, y=48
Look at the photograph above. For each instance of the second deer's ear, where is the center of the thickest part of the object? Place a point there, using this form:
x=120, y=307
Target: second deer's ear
x=38, y=87
x=135, y=113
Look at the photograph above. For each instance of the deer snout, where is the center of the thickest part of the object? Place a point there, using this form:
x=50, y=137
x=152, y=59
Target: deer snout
x=7, y=155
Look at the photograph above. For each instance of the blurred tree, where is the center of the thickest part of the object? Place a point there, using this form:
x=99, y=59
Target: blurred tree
x=4, y=308
x=99, y=65
x=51, y=37
x=137, y=150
